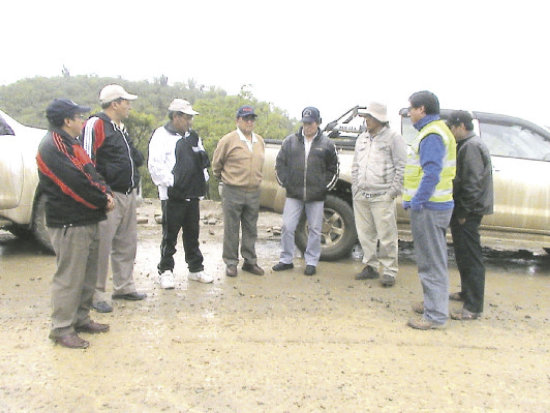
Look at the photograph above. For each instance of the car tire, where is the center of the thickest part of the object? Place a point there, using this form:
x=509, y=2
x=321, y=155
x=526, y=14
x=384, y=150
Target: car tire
x=20, y=231
x=338, y=235
x=39, y=224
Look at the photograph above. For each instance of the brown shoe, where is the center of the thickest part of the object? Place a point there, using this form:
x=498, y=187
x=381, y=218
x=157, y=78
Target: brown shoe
x=423, y=324
x=93, y=328
x=71, y=341
x=253, y=269
x=231, y=271
x=456, y=296
x=465, y=315
x=418, y=307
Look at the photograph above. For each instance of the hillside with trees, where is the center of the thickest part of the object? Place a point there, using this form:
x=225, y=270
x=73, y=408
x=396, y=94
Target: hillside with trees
x=26, y=101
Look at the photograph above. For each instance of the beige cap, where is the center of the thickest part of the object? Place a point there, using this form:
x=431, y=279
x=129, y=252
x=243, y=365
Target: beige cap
x=114, y=92
x=183, y=106
x=377, y=110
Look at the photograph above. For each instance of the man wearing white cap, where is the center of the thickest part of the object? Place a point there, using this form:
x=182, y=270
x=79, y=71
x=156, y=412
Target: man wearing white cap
x=377, y=179
x=115, y=157
x=177, y=163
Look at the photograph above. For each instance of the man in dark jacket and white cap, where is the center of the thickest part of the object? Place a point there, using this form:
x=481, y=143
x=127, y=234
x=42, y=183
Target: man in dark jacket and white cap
x=115, y=157
x=77, y=199
x=473, y=197
x=177, y=163
x=307, y=167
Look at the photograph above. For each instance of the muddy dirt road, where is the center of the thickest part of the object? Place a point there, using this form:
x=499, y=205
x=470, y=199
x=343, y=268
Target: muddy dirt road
x=279, y=343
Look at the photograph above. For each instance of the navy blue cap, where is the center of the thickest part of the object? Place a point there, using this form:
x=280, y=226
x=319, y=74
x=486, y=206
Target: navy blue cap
x=61, y=109
x=311, y=114
x=245, y=110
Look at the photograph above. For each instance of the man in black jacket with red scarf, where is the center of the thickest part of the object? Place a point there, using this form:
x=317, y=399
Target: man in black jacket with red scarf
x=77, y=199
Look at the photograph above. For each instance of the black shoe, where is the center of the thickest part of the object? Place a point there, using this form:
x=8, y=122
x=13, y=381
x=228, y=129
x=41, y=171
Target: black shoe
x=310, y=270
x=135, y=296
x=368, y=273
x=281, y=266
x=231, y=271
x=102, y=307
x=388, y=280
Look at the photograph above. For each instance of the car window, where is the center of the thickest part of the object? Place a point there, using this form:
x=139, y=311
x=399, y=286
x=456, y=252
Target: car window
x=515, y=141
x=5, y=129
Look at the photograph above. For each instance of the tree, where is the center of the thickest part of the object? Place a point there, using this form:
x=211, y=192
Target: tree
x=26, y=101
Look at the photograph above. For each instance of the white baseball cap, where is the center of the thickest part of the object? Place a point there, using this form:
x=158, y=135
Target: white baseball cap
x=114, y=92
x=183, y=106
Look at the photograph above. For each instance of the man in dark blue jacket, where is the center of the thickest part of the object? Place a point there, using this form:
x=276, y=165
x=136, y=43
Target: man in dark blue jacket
x=76, y=201
x=307, y=167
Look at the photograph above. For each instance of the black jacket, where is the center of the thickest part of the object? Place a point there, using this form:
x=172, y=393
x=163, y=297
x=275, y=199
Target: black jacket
x=312, y=180
x=76, y=194
x=473, y=183
x=189, y=179
x=113, y=152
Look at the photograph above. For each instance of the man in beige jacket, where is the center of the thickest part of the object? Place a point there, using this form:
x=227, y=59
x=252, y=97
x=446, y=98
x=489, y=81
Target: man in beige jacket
x=377, y=179
x=237, y=163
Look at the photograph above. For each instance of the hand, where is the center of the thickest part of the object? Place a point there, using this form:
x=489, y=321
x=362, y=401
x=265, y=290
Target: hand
x=110, y=203
x=461, y=221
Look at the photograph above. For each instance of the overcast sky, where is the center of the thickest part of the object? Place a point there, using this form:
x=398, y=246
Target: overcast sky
x=477, y=55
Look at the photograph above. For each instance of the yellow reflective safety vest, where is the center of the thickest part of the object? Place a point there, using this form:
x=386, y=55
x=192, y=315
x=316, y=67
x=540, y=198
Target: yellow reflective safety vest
x=414, y=173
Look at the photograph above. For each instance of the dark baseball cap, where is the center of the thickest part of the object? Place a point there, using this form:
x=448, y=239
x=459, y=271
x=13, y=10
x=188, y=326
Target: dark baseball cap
x=245, y=110
x=311, y=114
x=61, y=109
x=459, y=116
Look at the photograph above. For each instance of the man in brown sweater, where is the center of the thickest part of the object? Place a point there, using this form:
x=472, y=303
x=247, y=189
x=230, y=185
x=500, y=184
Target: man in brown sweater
x=237, y=163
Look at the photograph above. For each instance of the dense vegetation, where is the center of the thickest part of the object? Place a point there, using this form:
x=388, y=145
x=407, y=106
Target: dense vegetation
x=27, y=99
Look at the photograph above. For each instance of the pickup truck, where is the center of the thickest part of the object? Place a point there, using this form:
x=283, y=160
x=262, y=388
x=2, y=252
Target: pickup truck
x=22, y=207
x=520, y=153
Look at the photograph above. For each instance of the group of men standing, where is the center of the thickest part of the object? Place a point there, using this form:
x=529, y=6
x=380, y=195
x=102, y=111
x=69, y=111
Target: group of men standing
x=442, y=183
x=89, y=173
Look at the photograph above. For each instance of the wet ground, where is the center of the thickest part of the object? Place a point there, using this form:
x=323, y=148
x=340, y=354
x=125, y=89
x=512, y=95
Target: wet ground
x=279, y=343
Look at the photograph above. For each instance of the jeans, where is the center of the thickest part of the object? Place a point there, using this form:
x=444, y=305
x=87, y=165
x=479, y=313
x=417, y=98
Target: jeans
x=291, y=216
x=430, y=248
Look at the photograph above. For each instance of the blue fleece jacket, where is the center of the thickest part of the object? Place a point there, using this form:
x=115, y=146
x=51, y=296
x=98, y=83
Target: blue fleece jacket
x=432, y=153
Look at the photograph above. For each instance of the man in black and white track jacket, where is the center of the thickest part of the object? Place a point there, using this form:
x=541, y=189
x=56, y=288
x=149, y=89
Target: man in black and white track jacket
x=177, y=163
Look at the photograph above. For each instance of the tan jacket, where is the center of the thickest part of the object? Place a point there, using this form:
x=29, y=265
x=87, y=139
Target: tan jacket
x=378, y=164
x=236, y=165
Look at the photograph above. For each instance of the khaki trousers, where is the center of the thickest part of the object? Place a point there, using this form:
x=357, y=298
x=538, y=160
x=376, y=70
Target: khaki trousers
x=76, y=250
x=117, y=240
x=375, y=220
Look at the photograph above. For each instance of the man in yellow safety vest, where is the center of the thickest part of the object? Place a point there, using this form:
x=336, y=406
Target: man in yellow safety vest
x=428, y=193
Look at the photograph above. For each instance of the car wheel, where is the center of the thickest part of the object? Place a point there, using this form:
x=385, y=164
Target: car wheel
x=338, y=235
x=39, y=224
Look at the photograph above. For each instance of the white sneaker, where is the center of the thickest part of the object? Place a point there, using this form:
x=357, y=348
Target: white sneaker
x=167, y=280
x=201, y=276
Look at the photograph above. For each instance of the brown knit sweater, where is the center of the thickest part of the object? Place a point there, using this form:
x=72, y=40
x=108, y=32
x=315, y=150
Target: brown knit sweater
x=235, y=164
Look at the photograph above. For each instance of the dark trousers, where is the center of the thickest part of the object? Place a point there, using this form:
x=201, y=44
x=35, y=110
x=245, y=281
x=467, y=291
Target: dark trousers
x=184, y=215
x=469, y=259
